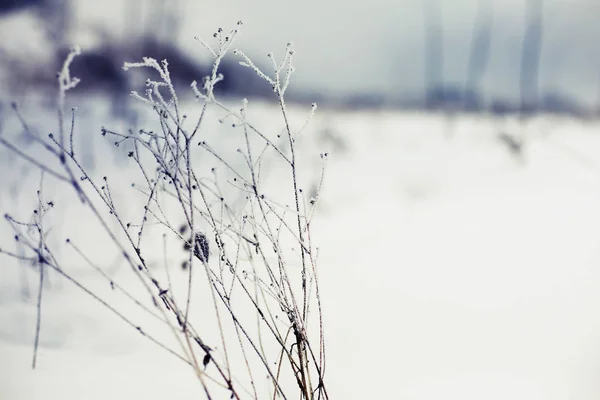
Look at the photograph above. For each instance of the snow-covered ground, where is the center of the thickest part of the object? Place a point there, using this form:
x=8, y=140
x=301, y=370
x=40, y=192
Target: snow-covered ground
x=450, y=267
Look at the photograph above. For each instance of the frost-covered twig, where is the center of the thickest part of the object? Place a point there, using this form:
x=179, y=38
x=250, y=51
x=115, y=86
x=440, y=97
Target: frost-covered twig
x=241, y=239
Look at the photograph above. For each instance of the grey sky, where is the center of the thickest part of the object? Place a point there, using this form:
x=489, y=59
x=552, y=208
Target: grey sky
x=378, y=45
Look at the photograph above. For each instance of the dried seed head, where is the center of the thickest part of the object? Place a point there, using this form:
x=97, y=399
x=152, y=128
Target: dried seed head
x=201, y=250
x=206, y=359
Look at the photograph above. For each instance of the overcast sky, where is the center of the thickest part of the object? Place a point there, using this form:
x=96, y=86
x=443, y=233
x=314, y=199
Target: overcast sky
x=378, y=45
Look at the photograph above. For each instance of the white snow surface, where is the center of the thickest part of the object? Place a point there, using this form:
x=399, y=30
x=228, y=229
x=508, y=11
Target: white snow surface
x=450, y=268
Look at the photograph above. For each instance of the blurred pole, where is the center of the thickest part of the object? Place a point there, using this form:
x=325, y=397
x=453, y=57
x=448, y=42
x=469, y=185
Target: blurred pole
x=598, y=97
x=56, y=15
x=172, y=23
x=434, y=54
x=157, y=19
x=132, y=19
x=479, y=54
x=530, y=56
x=146, y=26
x=166, y=18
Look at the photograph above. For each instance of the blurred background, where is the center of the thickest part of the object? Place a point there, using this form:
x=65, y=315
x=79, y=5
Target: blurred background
x=495, y=55
x=459, y=220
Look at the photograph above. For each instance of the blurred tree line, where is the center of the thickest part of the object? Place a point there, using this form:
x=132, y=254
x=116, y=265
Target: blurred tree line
x=151, y=28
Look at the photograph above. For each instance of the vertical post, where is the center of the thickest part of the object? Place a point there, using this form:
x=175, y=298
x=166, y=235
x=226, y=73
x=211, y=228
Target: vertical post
x=530, y=56
x=56, y=15
x=434, y=55
x=479, y=53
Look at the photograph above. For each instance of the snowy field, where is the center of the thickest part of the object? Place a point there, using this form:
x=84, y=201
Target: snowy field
x=451, y=268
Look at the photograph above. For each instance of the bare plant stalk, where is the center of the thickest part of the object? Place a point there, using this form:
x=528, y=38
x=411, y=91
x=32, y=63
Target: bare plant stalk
x=239, y=238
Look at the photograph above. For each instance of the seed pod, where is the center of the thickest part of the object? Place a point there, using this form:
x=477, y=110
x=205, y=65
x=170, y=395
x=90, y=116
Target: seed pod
x=206, y=360
x=201, y=250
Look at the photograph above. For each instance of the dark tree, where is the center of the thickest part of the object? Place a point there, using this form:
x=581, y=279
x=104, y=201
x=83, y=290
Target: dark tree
x=434, y=52
x=7, y=6
x=480, y=51
x=530, y=55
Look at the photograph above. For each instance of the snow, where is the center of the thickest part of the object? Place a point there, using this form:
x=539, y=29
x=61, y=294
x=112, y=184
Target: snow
x=450, y=268
x=482, y=286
